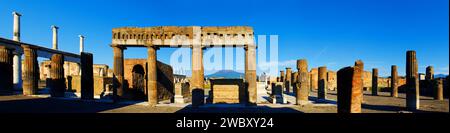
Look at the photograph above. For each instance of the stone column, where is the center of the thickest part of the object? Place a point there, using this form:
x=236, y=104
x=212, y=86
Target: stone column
x=58, y=82
x=302, y=82
x=350, y=91
x=250, y=72
x=429, y=73
x=360, y=65
x=375, y=82
x=394, y=81
x=439, y=89
x=282, y=76
x=152, y=89
x=6, y=66
x=322, y=83
x=288, y=82
x=87, y=76
x=81, y=43
x=197, y=79
x=118, y=70
x=55, y=37
x=30, y=71
x=17, y=59
x=412, y=81
x=294, y=82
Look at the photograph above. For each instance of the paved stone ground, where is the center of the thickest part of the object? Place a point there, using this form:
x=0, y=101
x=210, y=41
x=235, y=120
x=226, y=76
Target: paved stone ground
x=371, y=104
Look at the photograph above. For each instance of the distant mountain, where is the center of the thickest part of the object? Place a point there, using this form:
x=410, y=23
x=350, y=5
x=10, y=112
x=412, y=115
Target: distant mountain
x=440, y=76
x=226, y=74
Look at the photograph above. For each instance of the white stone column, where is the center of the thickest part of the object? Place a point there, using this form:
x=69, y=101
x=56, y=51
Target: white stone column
x=17, y=59
x=81, y=43
x=55, y=37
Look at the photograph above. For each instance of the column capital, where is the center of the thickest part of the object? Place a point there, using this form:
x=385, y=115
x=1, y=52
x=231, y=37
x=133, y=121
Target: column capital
x=81, y=36
x=16, y=14
x=153, y=46
x=246, y=47
x=118, y=46
x=54, y=27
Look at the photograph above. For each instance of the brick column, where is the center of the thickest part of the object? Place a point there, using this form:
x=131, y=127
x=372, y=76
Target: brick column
x=250, y=73
x=87, y=76
x=394, y=81
x=374, y=82
x=58, y=82
x=118, y=71
x=6, y=68
x=322, y=83
x=302, y=92
x=438, y=89
x=30, y=71
x=152, y=89
x=412, y=81
x=350, y=90
x=288, y=82
x=197, y=80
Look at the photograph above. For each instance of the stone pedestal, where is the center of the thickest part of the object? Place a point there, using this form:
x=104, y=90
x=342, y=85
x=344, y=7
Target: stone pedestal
x=374, y=82
x=30, y=71
x=302, y=87
x=394, y=81
x=6, y=68
x=152, y=95
x=322, y=83
x=350, y=90
x=412, y=81
x=87, y=76
x=58, y=82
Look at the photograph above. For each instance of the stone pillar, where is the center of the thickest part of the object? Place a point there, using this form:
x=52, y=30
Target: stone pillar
x=152, y=89
x=197, y=79
x=412, y=81
x=294, y=82
x=55, y=37
x=30, y=71
x=375, y=82
x=302, y=82
x=87, y=76
x=17, y=59
x=282, y=76
x=250, y=72
x=429, y=73
x=6, y=67
x=360, y=65
x=394, y=81
x=350, y=91
x=438, y=89
x=288, y=82
x=58, y=82
x=81, y=43
x=118, y=71
x=322, y=83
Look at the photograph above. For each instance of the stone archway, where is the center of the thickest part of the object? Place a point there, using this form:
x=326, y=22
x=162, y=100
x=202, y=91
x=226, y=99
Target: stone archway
x=138, y=79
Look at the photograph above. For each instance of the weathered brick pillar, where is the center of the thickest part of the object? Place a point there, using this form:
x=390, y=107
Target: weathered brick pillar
x=360, y=65
x=250, y=72
x=87, y=76
x=197, y=80
x=282, y=76
x=439, y=89
x=152, y=90
x=429, y=73
x=118, y=71
x=6, y=68
x=350, y=91
x=394, y=81
x=375, y=82
x=322, y=83
x=302, y=82
x=412, y=81
x=30, y=71
x=288, y=82
x=294, y=82
x=429, y=83
x=58, y=82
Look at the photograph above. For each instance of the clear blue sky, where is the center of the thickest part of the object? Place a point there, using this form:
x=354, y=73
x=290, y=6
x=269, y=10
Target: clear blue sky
x=334, y=33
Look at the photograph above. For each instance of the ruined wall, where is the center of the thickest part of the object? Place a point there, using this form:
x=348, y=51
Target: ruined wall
x=74, y=84
x=165, y=78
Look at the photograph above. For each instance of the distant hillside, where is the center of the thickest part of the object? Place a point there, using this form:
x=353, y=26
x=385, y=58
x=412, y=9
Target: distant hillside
x=226, y=74
x=440, y=76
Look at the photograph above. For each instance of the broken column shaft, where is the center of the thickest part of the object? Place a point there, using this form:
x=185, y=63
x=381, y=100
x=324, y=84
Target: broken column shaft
x=322, y=83
x=30, y=71
x=374, y=82
x=87, y=76
x=412, y=81
x=302, y=92
x=58, y=82
x=350, y=90
x=394, y=81
x=6, y=67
